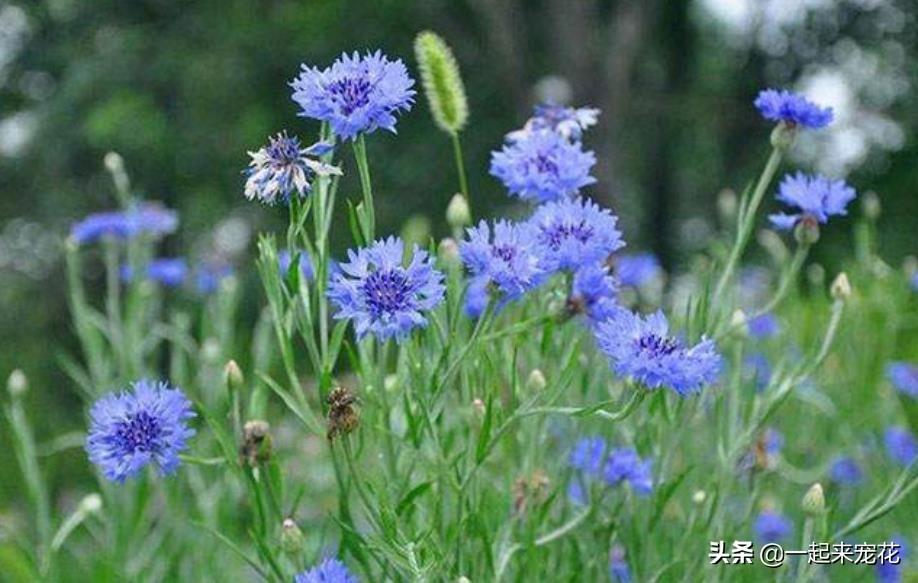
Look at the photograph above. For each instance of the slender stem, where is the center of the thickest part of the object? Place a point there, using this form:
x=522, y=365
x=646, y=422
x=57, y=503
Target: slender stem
x=460, y=166
x=368, y=214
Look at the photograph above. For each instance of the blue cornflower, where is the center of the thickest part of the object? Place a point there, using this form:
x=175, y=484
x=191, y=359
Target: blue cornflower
x=169, y=271
x=501, y=259
x=817, y=198
x=356, y=95
x=845, y=471
x=901, y=446
x=569, y=122
x=890, y=569
x=383, y=297
x=619, y=572
x=283, y=167
x=210, y=274
x=147, y=218
x=638, y=269
x=764, y=326
x=772, y=442
x=132, y=429
x=792, y=109
x=771, y=526
x=573, y=233
x=625, y=465
x=330, y=570
x=283, y=262
x=593, y=293
x=543, y=167
x=903, y=376
x=588, y=455
x=641, y=348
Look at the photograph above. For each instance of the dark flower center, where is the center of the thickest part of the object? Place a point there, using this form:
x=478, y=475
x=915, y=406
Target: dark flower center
x=544, y=164
x=352, y=93
x=556, y=235
x=283, y=150
x=139, y=432
x=504, y=252
x=655, y=346
x=386, y=292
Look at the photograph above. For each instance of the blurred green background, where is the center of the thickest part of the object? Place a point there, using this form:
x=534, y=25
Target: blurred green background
x=183, y=89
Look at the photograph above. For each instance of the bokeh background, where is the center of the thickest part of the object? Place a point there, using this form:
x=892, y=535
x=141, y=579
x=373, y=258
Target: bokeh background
x=183, y=89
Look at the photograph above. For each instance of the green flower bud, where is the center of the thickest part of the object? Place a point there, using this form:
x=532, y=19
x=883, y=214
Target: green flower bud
x=814, y=501
x=841, y=287
x=292, y=540
x=232, y=375
x=783, y=136
x=807, y=231
x=536, y=381
x=17, y=383
x=442, y=82
x=457, y=212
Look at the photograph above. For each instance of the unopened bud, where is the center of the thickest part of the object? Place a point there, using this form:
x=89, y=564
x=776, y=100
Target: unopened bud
x=478, y=407
x=448, y=251
x=871, y=205
x=232, y=375
x=343, y=417
x=17, y=383
x=536, y=381
x=841, y=287
x=457, y=212
x=292, y=540
x=114, y=163
x=738, y=321
x=807, y=231
x=91, y=503
x=814, y=501
x=727, y=205
x=390, y=383
x=782, y=137
x=256, y=442
x=699, y=496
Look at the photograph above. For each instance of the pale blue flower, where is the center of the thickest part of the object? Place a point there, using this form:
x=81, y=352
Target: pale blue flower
x=150, y=219
x=574, y=233
x=816, y=197
x=169, y=271
x=637, y=269
x=330, y=570
x=904, y=377
x=772, y=527
x=543, y=166
x=792, y=109
x=283, y=168
x=569, y=122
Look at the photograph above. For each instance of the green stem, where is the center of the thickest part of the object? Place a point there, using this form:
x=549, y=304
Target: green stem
x=367, y=214
x=460, y=166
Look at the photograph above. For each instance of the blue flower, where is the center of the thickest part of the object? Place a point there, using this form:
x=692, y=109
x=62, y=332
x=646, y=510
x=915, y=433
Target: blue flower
x=383, y=297
x=210, y=274
x=914, y=282
x=588, y=455
x=568, y=122
x=330, y=570
x=817, y=198
x=543, y=167
x=641, y=348
x=149, y=219
x=638, y=269
x=792, y=109
x=356, y=95
x=284, y=259
x=889, y=570
x=772, y=526
x=903, y=376
x=593, y=293
x=901, y=446
x=625, y=465
x=772, y=442
x=501, y=259
x=619, y=572
x=845, y=471
x=171, y=272
x=576, y=492
x=764, y=326
x=573, y=233
x=284, y=167
x=132, y=429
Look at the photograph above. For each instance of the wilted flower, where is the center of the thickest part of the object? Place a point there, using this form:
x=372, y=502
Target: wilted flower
x=380, y=295
x=593, y=293
x=637, y=269
x=845, y=471
x=257, y=445
x=904, y=377
x=529, y=490
x=144, y=219
x=543, y=167
x=170, y=272
x=284, y=258
x=771, y=526
x=792, y=109
x=283, y=167
x=356, y=95
x=574, y=233
x=817, y=198
x=569, y=122
x=342, y=417
x=764, y=326
x=625, y=465
x=901, y=446
x=328, y=571
x=640, y=347
x=132, y=429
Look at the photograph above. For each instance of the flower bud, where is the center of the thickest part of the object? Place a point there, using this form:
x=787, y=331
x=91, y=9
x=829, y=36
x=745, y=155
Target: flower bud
x=807, y=231
x=841, y=287
x=292, y=540
x=448, y=251
x=814, y=501
x=114, y=163
x=738, y=322
x=782, y=137
x=17, y=383
x=727, y=205
x=478, y=407
x=536, y=381
x=871, y=205
x=210, y=350
x=256, y=443
x=699, y=497
x=458, y=214
x=232, y=375
x=91, y=503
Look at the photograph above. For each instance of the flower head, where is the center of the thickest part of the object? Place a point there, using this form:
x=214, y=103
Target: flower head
x=356, y=94
x=901, y=446
x=641, y=347
x=593, y=293
x=792, y=109
x=588, y=455
x=816, y=197
x=569, y=122
x=283, y=167
x=771, y=526
x=890, y=568
x=501, y=258
x=619, y=572
x=845, y=471
x=284, y=259
x=543, y=166
x=328, y=571
x=764, y=326
x=625, y=465
x=638, y=269
x=150, y=219
x=573, y=233
x=904, y=377
x=132, y=429
x=382, y=296
x=169, y=271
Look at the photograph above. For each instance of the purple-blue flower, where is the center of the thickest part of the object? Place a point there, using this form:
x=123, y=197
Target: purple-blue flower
x=619, y=572
x=283, y=167
x=132, y=429
x=169, y=271
x=904, y=377
x=889, y=566
x=330, y=570
x=593, y=293
x=816, y=197
x=356, y=95
x=772, y=442
x=588, y=455
x=901, y=446
x=150, y=219
x=501, y=259
x=764, y=326
x=575, y=232
x=792, y=109
x=283, y=263
x=845, y=471
x=771, y=527
x=625, y=465
x=641, y=348
x=569, y=122
x=637, y=269
x=382, y=296
x=543, y=166
x=210, y=274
